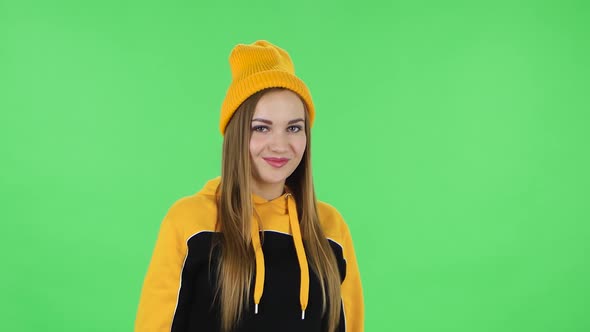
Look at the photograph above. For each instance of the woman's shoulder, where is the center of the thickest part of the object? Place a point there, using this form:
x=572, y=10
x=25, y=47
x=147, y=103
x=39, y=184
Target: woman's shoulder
x=194, y=206
x=193, y=213
x=332, y=222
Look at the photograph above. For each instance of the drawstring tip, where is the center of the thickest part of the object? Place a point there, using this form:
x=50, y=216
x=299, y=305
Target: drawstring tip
x=302, y=314
x=256, y=308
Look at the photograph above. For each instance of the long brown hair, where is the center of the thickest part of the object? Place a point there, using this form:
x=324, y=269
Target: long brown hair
x=236, y=262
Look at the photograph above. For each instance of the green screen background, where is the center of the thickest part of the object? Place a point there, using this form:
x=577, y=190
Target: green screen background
x=453, y=136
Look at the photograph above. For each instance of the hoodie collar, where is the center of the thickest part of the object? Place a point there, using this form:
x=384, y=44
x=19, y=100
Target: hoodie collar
x=279, y=204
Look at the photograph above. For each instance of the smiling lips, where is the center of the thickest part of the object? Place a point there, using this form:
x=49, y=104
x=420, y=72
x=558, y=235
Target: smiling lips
x=276, y=162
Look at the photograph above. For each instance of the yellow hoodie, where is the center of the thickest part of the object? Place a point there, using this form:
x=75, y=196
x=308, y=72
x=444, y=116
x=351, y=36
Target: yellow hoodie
x=178, y=293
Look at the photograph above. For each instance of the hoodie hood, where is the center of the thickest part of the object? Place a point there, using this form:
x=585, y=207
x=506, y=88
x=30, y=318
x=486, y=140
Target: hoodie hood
x=277, y=214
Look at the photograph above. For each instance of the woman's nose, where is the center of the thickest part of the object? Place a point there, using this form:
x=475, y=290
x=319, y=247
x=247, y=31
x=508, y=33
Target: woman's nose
x=279, y=143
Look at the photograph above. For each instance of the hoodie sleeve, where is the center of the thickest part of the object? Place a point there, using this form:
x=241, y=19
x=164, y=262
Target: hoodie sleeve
x=161, y=285
x=352, y=293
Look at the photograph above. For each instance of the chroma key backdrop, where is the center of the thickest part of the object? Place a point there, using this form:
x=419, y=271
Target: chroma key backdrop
x=453, y=136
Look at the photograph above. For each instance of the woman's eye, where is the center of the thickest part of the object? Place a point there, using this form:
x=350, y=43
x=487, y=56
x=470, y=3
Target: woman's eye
x=295, y=129
x=260, y=129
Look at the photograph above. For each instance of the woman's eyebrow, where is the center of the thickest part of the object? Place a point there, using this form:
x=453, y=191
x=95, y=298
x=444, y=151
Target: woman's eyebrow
x=270, y=122
x=262, y=120
x=296, y=120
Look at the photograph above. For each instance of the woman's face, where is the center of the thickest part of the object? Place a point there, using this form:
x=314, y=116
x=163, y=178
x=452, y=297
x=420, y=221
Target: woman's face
x=278, y=138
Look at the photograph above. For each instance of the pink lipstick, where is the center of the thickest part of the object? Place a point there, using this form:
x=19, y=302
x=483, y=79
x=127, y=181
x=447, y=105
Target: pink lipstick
x=276, y=162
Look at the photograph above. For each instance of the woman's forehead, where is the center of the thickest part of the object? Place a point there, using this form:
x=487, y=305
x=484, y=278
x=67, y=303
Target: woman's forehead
x=279, y=105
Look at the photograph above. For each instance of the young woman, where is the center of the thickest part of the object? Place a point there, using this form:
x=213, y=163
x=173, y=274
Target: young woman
x=254, y=250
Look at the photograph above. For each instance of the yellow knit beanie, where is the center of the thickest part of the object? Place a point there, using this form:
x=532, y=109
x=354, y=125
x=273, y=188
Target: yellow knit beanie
x=258, y=66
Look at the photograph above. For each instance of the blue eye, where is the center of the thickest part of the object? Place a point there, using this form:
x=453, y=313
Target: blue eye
x=260, y=129
x=295, y=129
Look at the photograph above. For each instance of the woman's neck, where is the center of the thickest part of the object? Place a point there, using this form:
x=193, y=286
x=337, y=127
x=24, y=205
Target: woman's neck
x=268, y=191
